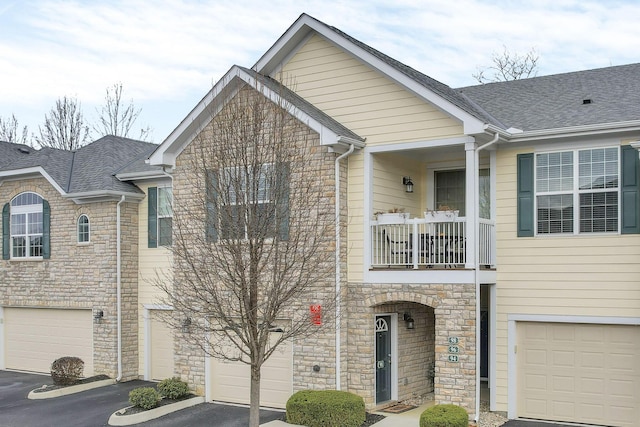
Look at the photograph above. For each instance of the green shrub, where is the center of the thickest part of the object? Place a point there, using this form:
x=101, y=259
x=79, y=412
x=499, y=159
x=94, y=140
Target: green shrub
x=173, y=388
x=326, y=408
x=144, y=397
x=66, y=370
x=444, y=416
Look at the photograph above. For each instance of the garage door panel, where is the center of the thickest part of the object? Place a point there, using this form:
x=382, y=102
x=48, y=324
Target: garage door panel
x=230, y=381
x=161, y=340
x=571, y=376
x=34, y=338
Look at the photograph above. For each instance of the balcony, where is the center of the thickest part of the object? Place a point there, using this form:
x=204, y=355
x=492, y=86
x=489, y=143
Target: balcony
x=433, y=241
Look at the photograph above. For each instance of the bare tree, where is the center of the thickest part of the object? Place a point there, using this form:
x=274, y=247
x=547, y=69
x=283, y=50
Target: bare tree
x=9, y=131
x=64, y=126
x=508, y=66
x=116, y=118
x=253, y=228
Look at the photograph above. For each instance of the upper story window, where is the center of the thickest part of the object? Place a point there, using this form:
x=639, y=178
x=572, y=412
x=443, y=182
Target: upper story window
x=577, y=191
x=247, y=195
x=26, y=227
x=83, y=229
x=248, y=203
x=160, y=220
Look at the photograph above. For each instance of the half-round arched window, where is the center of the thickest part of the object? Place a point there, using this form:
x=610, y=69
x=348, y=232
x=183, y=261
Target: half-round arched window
x=83, y=229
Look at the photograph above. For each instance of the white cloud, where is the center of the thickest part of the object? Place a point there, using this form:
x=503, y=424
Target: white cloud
x=168, y=53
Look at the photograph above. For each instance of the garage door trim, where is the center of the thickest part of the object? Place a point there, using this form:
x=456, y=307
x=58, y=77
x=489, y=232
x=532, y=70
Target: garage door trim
x=512, y=319
x=147, y=335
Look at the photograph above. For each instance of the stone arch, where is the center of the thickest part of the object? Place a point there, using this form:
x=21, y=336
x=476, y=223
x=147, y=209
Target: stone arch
x=403, y=295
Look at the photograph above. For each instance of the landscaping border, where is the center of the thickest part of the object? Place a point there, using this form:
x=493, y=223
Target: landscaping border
x=41, y=393
x=116, y=419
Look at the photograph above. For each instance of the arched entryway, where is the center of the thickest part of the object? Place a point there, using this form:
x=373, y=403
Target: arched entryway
x=404, y=350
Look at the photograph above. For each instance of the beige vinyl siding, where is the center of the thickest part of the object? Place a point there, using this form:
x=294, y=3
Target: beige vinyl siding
x=388, y=190
x=152, y=261
x=361, y=98
x=374, y=107
x=578, y=275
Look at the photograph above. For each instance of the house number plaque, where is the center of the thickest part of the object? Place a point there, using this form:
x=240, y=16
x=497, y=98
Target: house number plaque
x=453, y=340
x=453, y=358
x=454, y=349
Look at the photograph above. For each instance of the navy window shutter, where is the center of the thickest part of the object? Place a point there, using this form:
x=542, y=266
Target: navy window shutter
x=6, y=214
x=282, y=216
x=211, y=221
x=630, y=189
x=152, y=227
x=525, y=195
x=46, y=230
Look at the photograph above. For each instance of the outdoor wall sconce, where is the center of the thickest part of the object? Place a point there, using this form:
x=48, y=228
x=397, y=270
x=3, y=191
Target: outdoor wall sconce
x=408, y=184
x=98, y=315
x=411, y=324
x=186, y=325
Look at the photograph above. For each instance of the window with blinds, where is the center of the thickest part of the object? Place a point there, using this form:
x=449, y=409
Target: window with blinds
x=577, y=191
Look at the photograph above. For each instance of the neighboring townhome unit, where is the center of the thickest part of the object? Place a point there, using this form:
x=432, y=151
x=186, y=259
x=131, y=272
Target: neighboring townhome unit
x=69, y=268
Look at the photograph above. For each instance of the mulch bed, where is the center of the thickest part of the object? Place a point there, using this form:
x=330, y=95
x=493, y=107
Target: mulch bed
x=88, y=380
x=165, y=401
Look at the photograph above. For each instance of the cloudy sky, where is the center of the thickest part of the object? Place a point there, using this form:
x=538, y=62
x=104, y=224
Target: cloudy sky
x=168, y=53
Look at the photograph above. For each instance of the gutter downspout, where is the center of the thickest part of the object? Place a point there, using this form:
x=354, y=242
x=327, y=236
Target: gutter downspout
x=338, y=284
x=476, y=271
x=119, y=288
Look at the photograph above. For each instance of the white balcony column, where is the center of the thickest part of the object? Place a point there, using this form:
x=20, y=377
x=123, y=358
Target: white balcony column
x=471, y=202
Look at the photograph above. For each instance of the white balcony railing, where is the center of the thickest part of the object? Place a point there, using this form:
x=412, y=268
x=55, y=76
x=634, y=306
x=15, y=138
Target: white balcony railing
x=427, y=242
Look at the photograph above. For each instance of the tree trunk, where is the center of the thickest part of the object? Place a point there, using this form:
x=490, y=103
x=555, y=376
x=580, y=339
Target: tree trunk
x=254, y=408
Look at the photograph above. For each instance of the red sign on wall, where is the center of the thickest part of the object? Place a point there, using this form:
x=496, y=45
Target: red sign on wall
x=316, y=314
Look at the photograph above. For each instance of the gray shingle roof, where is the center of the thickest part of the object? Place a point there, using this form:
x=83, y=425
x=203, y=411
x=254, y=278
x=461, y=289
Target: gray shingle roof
x=556, y=101
x=10, y=152
x=90, y=168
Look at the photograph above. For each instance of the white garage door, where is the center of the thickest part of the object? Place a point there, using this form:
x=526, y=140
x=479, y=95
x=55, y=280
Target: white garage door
x=579, y=373
x=230, y=381
x=161, y=339
x=35, y=337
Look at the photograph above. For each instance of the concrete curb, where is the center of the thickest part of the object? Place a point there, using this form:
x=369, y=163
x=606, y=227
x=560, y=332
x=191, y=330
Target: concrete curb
x=63, y=391
x=125, y=420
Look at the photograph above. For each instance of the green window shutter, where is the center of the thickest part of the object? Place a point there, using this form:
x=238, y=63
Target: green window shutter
x=525, y=195
x=282, y=213
x=211, y=221
x=6, y=234
x=152, y=223
x=630, y=186
x=46, y=230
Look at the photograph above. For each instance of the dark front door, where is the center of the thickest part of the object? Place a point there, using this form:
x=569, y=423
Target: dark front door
x=383, y=358
x=484, y=344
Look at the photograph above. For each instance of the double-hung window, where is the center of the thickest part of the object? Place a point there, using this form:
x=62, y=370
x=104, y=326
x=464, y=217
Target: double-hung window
x=248, y=202
x=577, y=191
x=247, y=207
x=26, y=227
x=160, y=216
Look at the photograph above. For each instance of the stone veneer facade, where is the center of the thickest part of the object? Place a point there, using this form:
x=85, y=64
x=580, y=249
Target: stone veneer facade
x=319, y=348
x=81, y=276
x=440, y=311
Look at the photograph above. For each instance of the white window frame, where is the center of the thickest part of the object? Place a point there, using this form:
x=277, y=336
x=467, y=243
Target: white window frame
x=266, y=199
x=164, y=213
x=80, y=232
x=576, y=192
x=26, y=210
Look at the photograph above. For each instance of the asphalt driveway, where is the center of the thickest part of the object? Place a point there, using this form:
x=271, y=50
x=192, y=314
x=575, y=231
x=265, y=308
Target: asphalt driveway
x=93, y=407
